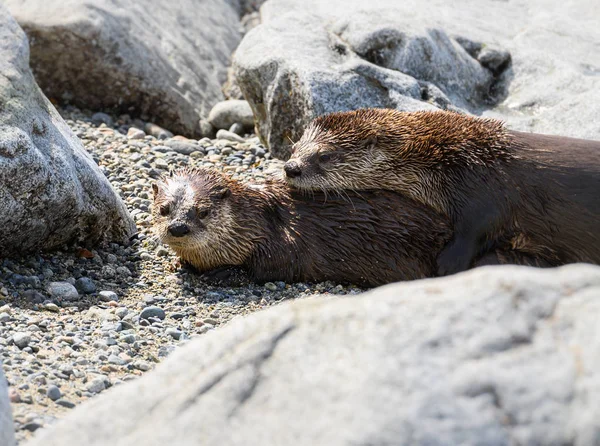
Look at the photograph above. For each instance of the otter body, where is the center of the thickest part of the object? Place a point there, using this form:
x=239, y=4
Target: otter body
x=540, y=191
x=274, y=232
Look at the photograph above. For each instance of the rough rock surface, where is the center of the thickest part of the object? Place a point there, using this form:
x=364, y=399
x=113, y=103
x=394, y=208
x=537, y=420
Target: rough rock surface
x=531, y=63
x=493, y=356
x=51, y=191
x=7, y=431
x=165, y=61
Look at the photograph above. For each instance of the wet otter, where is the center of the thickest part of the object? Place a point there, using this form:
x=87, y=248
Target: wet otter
x=489, y=181
x=277, y=233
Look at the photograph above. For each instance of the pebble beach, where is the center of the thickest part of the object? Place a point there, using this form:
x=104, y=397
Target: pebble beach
x=77, y=322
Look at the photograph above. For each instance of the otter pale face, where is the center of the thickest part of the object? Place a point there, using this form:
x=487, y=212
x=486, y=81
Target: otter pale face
x=189, y=211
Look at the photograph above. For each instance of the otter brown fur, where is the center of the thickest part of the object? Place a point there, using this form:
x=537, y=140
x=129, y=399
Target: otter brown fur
x=489, y=181
x=275, y=232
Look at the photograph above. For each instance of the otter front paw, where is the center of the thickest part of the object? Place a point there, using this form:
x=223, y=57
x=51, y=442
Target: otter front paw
x=232, y=276
x=457, y=256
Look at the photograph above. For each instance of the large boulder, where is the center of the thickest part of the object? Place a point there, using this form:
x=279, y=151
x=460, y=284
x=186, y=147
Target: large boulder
x=165, y=61
x=494, y=356
x=530, y=63
x=51, y=191
x=7, y=429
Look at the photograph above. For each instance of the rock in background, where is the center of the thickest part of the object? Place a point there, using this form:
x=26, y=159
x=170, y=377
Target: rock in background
x=7, y=431
x=51, y=190
x=163, y=60
x=494, y=356
x=533, y=64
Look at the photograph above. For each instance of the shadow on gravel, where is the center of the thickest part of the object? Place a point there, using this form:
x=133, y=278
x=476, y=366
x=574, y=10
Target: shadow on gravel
x=88, y=277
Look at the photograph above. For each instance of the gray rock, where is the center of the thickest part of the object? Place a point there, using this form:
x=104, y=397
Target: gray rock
x=65, y=198
x=237, y=128
x=7, y=431
x=85, y=285
x=108, y=296
x=95, y=385
x=224, y=114
x=63, y=290
x=185, y=148
x=65, y=403
x=494, y=356
x=206, y=129
x=163, y=60
x=102, y=118
x=174, y=333
x=157, y=131
x=309, y=58
x=21, y=339
x=155, y=312
x=229, y=136
x=53, y=393
x=135, y=133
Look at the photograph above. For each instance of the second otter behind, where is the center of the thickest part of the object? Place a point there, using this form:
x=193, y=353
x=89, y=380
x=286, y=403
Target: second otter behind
x=489, y=181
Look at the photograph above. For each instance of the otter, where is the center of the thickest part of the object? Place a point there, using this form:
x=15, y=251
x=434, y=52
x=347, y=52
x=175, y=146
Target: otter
x=274, y=232
x=489, y=181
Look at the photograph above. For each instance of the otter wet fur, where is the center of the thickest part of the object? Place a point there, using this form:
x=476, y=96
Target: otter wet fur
x=490, y=182
x=274, y=232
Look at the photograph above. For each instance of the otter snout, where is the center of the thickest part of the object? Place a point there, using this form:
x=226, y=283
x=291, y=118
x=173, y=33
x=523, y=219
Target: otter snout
x=292, y=169
x=178, y=229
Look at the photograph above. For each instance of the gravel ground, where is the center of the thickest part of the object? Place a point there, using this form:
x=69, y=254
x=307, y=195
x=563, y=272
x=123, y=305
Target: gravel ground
x=77, y=322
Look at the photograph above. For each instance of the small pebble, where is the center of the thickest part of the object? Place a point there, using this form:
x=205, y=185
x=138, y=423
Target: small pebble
x=63, y=290
x=108, y=296
x=102, y=118
x=21, y=339
x=85, y=285
x=174, y=333
x=53, y=393
x=135, y=133
x=65, y=403
x=230, y=136
x=96, y=385
x=271, y=286
x=154, y=312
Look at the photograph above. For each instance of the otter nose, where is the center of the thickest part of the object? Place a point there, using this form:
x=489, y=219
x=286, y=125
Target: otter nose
x=292, y=169
x=178, y=229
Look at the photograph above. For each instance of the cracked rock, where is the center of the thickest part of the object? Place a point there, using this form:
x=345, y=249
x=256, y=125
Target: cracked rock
x=495, y=356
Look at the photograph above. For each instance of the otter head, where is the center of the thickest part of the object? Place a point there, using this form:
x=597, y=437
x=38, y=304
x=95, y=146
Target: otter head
x=337, y=151
x=193, y=214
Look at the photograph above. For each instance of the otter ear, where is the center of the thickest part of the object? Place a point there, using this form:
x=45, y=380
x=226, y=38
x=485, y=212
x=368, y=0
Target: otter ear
x=226, y=192
x=369, y=143
x=155, y=189
x=220, y=194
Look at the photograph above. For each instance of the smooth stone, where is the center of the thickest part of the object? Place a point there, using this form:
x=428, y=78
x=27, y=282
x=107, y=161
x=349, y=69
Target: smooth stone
x=102, y=118
x=108, y=296
x=85, y=285
x=229, y=136
x=135, y=133
x=63, y=290
x=53, y=393
x=226, y=113
x=21, y=339
x=153, y=312
x=96, y=385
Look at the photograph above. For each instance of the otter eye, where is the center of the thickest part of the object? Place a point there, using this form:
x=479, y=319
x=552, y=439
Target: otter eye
x=164, y=210
x=203, y=213
x=325, y=158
